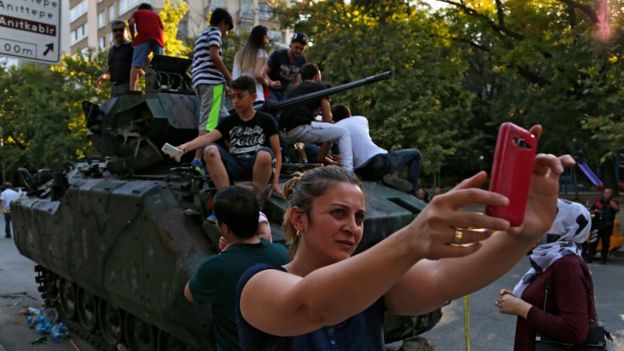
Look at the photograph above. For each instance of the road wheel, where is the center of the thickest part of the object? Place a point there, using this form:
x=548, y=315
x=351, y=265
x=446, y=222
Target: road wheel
x=111, y=321
x=140, y=335
x=87, y=310
x=66, y=299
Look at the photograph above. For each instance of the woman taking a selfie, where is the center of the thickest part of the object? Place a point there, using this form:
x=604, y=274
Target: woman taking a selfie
x=325, y=299
x=554, y=297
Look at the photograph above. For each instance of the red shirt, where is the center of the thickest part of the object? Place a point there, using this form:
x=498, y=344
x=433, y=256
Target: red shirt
x=149, y=27
x=568, y=305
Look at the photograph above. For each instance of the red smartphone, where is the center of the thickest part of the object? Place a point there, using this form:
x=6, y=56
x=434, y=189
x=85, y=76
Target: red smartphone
x=514, y=162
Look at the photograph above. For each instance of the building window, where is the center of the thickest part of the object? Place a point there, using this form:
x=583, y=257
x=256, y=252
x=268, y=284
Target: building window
x=123, y=6
x=216, y=3
x=275, y=36
x=111, y=13
x=264, y=12
x=101, y=20
x=78, y=34
x=78, y=10
x=183, y=30
x=102, y=43
x=247, y=10
x=110, y=37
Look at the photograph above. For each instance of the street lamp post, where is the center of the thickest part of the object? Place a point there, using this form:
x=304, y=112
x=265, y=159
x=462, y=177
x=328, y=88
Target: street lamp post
x=2, y=148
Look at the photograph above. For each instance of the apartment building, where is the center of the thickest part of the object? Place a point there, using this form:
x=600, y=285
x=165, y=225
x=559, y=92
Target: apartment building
x=89, y=20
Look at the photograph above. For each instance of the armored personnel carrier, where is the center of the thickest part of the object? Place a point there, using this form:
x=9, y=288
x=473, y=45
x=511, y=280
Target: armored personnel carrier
x=115, y=239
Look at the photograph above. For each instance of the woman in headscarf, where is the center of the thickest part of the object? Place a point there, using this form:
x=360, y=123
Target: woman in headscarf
x=553, y=297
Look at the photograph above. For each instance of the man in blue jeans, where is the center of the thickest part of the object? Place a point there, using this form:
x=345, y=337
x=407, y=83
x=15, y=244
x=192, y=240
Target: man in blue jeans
x=7, y=195
x=370, y=161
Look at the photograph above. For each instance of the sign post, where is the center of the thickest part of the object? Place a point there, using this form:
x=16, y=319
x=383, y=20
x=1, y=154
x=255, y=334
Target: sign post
x=30, y=29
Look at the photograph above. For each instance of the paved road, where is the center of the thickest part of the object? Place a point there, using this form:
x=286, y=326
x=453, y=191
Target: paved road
x=490, y=330
x=18, y=291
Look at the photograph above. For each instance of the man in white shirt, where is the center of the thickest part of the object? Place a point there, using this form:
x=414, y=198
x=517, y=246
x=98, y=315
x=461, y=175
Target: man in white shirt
x=372, y=162
x=7, y=196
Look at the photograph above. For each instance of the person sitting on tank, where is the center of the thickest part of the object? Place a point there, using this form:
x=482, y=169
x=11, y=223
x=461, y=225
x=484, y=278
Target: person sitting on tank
x=215, y=280
x=374, y=163
x=264, y=228
x=251, y=138
x=325, y=298
x=298, y=124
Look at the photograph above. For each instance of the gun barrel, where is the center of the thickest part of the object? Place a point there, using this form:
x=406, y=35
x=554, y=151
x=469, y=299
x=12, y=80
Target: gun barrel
x=333, y=90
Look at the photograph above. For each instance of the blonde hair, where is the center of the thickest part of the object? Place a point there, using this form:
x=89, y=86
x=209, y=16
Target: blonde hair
x=303, y=188
x=247, y=56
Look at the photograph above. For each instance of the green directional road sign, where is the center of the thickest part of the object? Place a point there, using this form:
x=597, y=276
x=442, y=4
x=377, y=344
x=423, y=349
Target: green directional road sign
x=30, y=29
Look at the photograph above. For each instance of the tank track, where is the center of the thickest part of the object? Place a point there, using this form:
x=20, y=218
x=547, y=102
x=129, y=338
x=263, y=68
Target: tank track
x=47, y=285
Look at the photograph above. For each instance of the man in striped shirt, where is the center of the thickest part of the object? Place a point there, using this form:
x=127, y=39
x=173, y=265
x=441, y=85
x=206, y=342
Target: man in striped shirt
x=210, y=74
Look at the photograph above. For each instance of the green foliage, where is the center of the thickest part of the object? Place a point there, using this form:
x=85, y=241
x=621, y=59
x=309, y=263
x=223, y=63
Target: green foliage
x=41, y=115
x=462, y=71
x=424, y=105
x=172, y=12
x=458, y=74
x=231, y=44
x=542, y=62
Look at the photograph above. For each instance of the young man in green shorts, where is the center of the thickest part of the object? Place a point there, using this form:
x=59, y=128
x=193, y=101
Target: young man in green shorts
x=210, y=74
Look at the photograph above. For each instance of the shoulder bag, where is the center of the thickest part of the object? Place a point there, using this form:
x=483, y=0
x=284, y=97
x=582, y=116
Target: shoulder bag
x=596, y=335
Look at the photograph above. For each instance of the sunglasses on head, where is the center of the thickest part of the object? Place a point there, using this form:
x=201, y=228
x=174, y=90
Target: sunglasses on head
x=118, y=30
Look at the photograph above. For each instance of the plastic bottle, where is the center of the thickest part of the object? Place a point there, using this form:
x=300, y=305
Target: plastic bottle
x=51, y=314
x=59, y=331
x=43, y=325
x=46, y=320
x=32, y=315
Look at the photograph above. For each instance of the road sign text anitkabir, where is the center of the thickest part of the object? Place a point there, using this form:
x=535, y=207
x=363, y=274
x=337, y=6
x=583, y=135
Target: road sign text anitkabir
x=30, y=29
x=26, y=25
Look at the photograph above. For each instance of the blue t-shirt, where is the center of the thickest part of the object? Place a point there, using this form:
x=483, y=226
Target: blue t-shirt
x=362, y=332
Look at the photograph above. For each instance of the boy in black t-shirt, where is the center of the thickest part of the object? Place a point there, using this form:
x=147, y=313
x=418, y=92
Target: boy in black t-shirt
x=252, y=143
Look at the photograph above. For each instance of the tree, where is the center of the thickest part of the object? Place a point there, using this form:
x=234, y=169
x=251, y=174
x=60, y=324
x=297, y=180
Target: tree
x=553, y=62
x=172, y=13
x=424, y=105
x=41, y=115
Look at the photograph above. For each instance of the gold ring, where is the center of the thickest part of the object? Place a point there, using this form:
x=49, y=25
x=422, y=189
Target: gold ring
x=459, y=234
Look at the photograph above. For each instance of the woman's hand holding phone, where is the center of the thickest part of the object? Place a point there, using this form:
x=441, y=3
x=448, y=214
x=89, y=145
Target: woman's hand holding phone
x=543, y=192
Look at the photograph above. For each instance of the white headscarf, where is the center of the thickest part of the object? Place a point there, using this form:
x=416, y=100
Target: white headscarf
x=569, y=229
